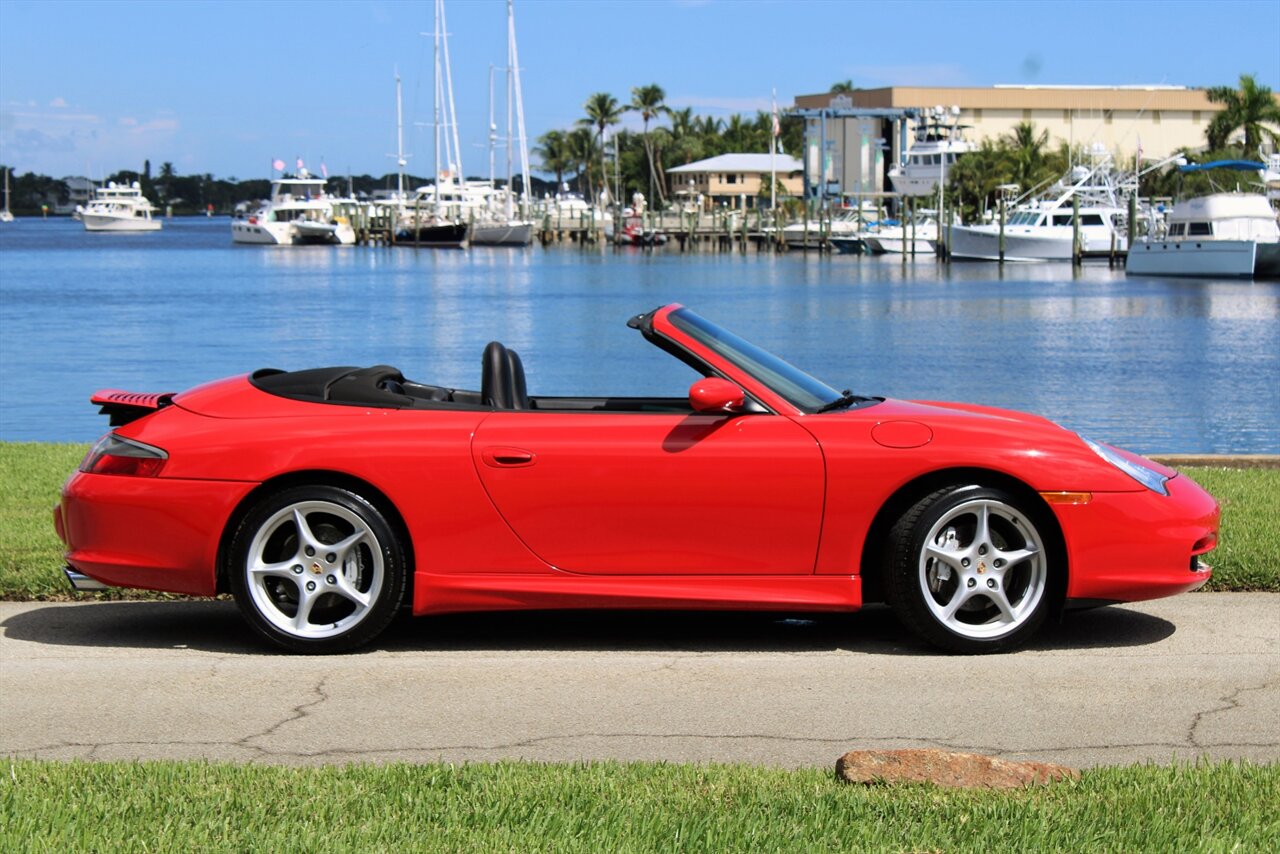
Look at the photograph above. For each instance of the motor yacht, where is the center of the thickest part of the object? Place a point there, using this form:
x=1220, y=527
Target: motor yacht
x=920, y=236
x=1044, y=229
x=939, y=143
x=299, y=212
x=118, y=207
x=1217, y=235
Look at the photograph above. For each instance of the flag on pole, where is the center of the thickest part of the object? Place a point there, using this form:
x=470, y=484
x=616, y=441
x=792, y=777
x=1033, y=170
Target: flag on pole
x=277, y=165
x=323, y=169
x=300, y=166
x=777, y=126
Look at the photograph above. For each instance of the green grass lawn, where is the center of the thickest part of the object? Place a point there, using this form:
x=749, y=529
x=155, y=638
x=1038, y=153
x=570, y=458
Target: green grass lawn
x=616, y=807
x=31, y=475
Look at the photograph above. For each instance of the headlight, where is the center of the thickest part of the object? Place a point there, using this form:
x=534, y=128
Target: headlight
x=1152, y=480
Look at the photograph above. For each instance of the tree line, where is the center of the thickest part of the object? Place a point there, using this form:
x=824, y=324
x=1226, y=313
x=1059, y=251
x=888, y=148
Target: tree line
x=588, y=157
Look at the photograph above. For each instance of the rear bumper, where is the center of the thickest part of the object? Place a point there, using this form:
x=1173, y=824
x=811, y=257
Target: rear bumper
x=150, y=532
x=1131, y=546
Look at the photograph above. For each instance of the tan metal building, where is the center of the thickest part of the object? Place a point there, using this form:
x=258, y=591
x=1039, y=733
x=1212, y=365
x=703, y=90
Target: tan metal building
x=1161, y=118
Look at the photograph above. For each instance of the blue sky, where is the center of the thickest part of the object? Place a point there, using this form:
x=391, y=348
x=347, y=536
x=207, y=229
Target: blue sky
x=226, y=87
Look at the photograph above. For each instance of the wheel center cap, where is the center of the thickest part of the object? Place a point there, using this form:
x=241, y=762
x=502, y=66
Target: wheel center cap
x=316, y=568
x=982, y=567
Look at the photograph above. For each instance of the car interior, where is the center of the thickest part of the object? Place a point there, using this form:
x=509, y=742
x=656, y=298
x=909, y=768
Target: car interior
x=502, y=387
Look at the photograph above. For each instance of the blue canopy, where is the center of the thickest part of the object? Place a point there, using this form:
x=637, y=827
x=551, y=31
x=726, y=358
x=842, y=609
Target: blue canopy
x=1239, y=165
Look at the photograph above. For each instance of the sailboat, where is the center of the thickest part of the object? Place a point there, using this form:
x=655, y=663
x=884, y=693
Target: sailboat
x=6, y=215
x=505, y=228
x=426, y=222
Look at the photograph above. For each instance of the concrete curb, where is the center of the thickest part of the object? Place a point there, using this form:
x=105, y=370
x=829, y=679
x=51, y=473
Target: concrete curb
x=1231, y=461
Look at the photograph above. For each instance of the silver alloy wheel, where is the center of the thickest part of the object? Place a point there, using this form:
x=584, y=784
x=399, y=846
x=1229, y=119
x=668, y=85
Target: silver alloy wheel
x=983, y=571
x=314, y=569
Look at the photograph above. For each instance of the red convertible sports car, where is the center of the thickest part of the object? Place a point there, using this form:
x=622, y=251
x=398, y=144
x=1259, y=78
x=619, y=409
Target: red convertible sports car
x=326, y=500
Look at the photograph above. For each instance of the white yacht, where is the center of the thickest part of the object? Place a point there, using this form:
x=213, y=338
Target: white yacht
x=919, y=236
x=1044, y=229
x=118, y=208
x=1222, y=234
x=939, y=142
x=847, y=224
x=299, y=212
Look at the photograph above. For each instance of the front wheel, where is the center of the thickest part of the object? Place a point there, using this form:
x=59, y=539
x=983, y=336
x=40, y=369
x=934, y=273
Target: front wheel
x=317, y=569
x=968, y=569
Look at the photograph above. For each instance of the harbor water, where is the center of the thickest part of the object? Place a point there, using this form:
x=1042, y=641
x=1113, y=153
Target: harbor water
x=1155, y=365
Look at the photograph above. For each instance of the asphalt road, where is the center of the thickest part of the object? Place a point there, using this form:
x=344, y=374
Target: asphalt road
x=1197, y=675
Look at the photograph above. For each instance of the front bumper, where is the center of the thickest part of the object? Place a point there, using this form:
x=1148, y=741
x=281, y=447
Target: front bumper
x=1131, y=546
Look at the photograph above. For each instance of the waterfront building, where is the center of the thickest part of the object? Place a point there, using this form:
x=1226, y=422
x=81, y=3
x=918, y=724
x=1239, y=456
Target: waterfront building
x=1155, y=120
x=734, y=180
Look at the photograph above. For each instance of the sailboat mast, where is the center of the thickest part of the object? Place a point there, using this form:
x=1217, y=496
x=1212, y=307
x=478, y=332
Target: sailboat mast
x=399, y=142
x=514, y=62
x=435, y=180
x=451, y=117
x=493, y=130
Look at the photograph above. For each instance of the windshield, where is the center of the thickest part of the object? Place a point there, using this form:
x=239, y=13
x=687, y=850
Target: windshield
x=800, y=389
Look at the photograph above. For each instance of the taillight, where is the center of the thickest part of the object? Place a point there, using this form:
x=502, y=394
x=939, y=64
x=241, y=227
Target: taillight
x=116, y=455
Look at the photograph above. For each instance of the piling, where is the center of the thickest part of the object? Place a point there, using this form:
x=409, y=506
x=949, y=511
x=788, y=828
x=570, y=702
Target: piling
x=1077, y=251
x=1002, y=229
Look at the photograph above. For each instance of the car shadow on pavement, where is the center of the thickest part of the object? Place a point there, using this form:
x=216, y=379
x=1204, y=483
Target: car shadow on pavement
x=216, y=626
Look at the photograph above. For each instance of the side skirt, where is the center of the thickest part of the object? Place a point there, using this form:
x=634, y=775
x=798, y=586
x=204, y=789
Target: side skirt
x=442, y=594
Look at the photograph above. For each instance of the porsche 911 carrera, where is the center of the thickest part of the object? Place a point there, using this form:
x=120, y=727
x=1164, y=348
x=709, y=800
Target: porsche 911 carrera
x=327, y=500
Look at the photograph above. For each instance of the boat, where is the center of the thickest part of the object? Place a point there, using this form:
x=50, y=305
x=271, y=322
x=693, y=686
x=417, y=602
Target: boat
x=634, y=233
x=1231, y=234
x=1043, y=229
x=499, y=223
x=299, y=212
x=848, y=223
x=118, y=207
x=6, y=215
x=920, y=236
x=939, y=143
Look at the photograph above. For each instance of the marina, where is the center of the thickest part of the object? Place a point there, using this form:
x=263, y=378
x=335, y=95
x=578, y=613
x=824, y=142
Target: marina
x=1156, y=364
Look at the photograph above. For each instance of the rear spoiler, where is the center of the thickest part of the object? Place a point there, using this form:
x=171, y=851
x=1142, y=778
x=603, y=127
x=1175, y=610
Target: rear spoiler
x=125, y=406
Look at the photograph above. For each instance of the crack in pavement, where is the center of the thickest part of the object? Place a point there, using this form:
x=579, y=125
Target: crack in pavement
x=1231, y=701
x=852, y=742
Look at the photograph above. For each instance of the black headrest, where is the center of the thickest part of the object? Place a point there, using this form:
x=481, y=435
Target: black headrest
x=496, y=388
x=519, y=392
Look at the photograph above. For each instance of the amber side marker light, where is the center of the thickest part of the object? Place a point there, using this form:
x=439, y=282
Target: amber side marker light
x=1067, y=497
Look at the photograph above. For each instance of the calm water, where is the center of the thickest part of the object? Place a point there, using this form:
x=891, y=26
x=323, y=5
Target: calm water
x=1154, y=365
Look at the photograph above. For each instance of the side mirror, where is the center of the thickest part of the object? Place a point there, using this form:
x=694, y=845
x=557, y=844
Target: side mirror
x=712, y=395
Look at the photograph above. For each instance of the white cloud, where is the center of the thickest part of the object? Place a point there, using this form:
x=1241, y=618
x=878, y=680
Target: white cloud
x=58, y=103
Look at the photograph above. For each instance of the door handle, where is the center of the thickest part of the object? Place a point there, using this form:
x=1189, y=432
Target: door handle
x=507, y=457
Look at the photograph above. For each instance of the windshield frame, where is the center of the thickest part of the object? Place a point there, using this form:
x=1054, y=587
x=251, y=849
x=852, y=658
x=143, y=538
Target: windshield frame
x=800, y=390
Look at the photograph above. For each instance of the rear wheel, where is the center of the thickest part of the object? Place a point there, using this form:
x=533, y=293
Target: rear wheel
x=968, y=569
x=317, y=569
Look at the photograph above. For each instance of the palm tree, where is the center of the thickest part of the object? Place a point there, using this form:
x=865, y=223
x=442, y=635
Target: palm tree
x=553, y=148
x=842, y=87
x=1245, y=108
x=1026, y=161
x=581, y=149
x=166, y=177
x=603, y=110
x=648, y=102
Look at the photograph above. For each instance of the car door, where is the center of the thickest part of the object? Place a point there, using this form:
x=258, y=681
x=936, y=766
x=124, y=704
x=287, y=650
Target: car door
x=656, y=493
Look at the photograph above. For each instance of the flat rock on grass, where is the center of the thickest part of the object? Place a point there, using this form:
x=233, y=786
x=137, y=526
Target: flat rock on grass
x=945, y=768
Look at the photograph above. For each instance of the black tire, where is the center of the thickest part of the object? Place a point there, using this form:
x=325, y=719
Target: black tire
x=330, y=588
x=963, y=591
